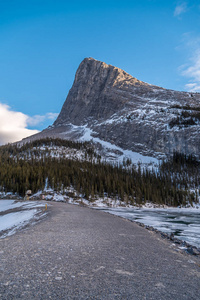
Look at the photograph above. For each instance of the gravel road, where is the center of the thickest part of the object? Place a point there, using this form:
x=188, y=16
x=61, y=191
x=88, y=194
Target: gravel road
x=80, y=253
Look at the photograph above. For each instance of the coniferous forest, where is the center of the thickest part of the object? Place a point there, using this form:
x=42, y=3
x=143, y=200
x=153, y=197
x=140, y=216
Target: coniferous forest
x=27, y=167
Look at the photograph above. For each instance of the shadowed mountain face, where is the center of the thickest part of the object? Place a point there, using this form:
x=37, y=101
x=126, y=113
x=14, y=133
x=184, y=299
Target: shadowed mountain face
x=117, y=108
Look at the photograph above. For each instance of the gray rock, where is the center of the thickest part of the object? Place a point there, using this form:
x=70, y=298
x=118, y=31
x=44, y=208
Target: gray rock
x=127, y=112
x=171, y=236
x=193, y=251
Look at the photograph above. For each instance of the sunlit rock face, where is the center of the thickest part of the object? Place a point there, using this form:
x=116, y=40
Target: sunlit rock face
x=128, y=113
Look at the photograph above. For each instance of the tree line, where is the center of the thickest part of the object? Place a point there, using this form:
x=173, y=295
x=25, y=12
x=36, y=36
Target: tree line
x=169, y=184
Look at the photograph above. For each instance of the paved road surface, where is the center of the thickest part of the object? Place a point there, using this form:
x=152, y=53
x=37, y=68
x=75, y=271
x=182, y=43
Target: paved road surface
x=80, y=253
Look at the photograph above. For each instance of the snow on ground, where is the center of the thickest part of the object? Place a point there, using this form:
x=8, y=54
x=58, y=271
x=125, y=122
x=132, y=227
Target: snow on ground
x=99, y=202
x=53, y=151
x=55, y=197
x=8, y=204
x=9, y=195
x=135, y=157
x=11, y=220
x=16, y=220
x=77, y=198
x=12, y=204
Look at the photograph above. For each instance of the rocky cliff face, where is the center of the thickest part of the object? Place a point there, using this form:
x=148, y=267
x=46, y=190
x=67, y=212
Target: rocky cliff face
x=109, y=105
x=98, y=92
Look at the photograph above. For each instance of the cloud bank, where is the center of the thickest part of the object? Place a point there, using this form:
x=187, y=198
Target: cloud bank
x=13, y=125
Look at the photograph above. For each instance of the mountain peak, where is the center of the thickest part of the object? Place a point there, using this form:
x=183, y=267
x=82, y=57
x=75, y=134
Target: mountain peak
x=98, y=90
x=121, y=74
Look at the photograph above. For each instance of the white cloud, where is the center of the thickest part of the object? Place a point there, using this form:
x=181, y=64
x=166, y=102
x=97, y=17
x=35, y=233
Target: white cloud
x=193, y=72
x=52, y=116
x=13, y=125
x=192, y=87
x=180, y=9
x=39, y=119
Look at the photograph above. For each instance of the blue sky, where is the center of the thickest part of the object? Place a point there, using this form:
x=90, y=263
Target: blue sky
x=43, y=42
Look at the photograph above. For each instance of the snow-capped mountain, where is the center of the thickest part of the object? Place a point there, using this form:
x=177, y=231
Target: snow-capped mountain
x=126, y=117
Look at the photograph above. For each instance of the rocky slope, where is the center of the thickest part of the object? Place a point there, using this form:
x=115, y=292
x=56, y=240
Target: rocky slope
x=125, y=115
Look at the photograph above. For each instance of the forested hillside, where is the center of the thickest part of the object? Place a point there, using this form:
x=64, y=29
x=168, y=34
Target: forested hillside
x=29, y=167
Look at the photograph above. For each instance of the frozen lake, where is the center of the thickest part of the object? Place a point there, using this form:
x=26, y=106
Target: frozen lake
x=15, y=215
x=184, y=223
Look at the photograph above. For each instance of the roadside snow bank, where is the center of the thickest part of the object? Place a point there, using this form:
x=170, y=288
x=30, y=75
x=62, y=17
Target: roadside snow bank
x=16, y=215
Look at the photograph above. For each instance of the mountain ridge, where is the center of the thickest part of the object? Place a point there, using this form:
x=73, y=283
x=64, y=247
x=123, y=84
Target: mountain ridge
x=116, y=108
